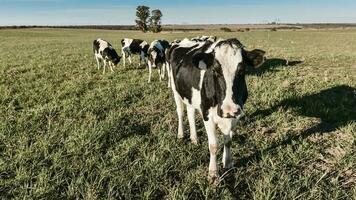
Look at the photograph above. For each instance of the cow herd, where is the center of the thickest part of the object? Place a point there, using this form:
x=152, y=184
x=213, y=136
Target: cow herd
x=206, y=74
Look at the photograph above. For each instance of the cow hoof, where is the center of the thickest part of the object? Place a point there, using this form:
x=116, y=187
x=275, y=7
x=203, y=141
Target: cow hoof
x=229, y=165
x=194, y=141
x=180, y=136
x=213, y=179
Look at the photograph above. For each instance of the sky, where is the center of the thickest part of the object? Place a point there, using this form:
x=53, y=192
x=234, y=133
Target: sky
x=122, y=12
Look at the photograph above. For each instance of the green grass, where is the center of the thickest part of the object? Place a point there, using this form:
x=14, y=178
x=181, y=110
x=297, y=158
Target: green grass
x=69, y=132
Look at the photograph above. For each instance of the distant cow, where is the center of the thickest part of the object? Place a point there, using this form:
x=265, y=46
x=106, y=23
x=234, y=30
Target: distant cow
x=134, y=46
x=210, y=77
x=104, y=51
x=157, y=58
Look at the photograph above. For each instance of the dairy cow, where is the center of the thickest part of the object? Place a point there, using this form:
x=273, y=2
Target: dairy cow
x=157, y=58
x=134, y=46
x=104, y=51
x=209, y=76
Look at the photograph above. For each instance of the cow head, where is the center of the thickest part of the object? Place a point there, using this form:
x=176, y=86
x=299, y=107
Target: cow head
x=113, y=57
x=224, y=79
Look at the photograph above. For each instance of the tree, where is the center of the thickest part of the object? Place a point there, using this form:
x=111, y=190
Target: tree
x=155, y=21
x=142, y=14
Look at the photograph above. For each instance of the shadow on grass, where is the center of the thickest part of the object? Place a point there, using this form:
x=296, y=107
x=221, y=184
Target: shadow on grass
x=125, y=127
x=271, y=65
x=335, y=107
x=134, y=66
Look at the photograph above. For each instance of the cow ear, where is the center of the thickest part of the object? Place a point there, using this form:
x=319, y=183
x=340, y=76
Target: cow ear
x=203, y=60
x=254, y=58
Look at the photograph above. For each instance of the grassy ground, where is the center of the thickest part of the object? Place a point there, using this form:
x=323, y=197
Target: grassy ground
x=67, y=131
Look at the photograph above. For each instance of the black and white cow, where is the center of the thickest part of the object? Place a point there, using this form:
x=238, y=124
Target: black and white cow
x=210, y=77
x=104, y=51
x=157, y=58
x=134, y=46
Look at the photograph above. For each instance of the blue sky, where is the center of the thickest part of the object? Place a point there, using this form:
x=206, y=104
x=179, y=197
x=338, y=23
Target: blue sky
x=86, y=12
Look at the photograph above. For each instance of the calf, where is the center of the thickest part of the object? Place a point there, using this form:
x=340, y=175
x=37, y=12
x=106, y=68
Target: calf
x=134, y=46
x=104, y=51
x=157, y=58
x=210, y=77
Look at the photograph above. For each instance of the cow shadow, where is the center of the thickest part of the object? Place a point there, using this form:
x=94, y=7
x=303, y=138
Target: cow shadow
x=124, y=128
x=133, y=67
x=272, y=64
x=335, y=107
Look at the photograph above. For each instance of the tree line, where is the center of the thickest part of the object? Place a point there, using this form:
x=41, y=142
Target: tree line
x=148, y=21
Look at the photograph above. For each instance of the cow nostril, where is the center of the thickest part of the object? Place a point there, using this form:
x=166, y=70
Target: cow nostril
x=237, y=113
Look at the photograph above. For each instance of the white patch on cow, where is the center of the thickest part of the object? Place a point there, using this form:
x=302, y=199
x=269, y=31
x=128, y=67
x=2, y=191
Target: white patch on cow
x=212, y=47
x=154, y=57
x=127, y=42
x=143, y=44
x=229, y=58
x=187, y=43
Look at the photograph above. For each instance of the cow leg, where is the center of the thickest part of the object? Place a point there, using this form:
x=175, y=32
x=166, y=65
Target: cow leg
x=180, y=111
x=169, y=75
x=225, y=128
x=104, y=66
x=129, y=58
x=98, y=62
x=110, y=64
x=213, y=148
x=159, y=72
x=149, y=71
x=163, y=70
x=191, y=119
x=123, y=57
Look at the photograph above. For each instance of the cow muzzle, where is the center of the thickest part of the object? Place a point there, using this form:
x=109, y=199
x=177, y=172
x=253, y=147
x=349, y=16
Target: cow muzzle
x=232, y=112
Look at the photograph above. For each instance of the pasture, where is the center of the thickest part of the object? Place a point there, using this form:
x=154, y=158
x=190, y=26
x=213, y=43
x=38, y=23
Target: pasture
x=69, y=132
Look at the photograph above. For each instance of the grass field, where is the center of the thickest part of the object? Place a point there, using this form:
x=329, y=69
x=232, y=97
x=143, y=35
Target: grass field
x=69, y=132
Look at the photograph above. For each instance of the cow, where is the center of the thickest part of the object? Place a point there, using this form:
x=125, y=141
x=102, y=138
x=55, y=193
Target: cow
x=105, y=52
x=134, y=46
x=210, y=77
x=157, y=58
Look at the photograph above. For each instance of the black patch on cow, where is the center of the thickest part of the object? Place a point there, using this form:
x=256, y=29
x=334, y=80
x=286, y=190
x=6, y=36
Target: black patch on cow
x=135, y=47
x=239, y=87
x=213, y=89
x=207, y=58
